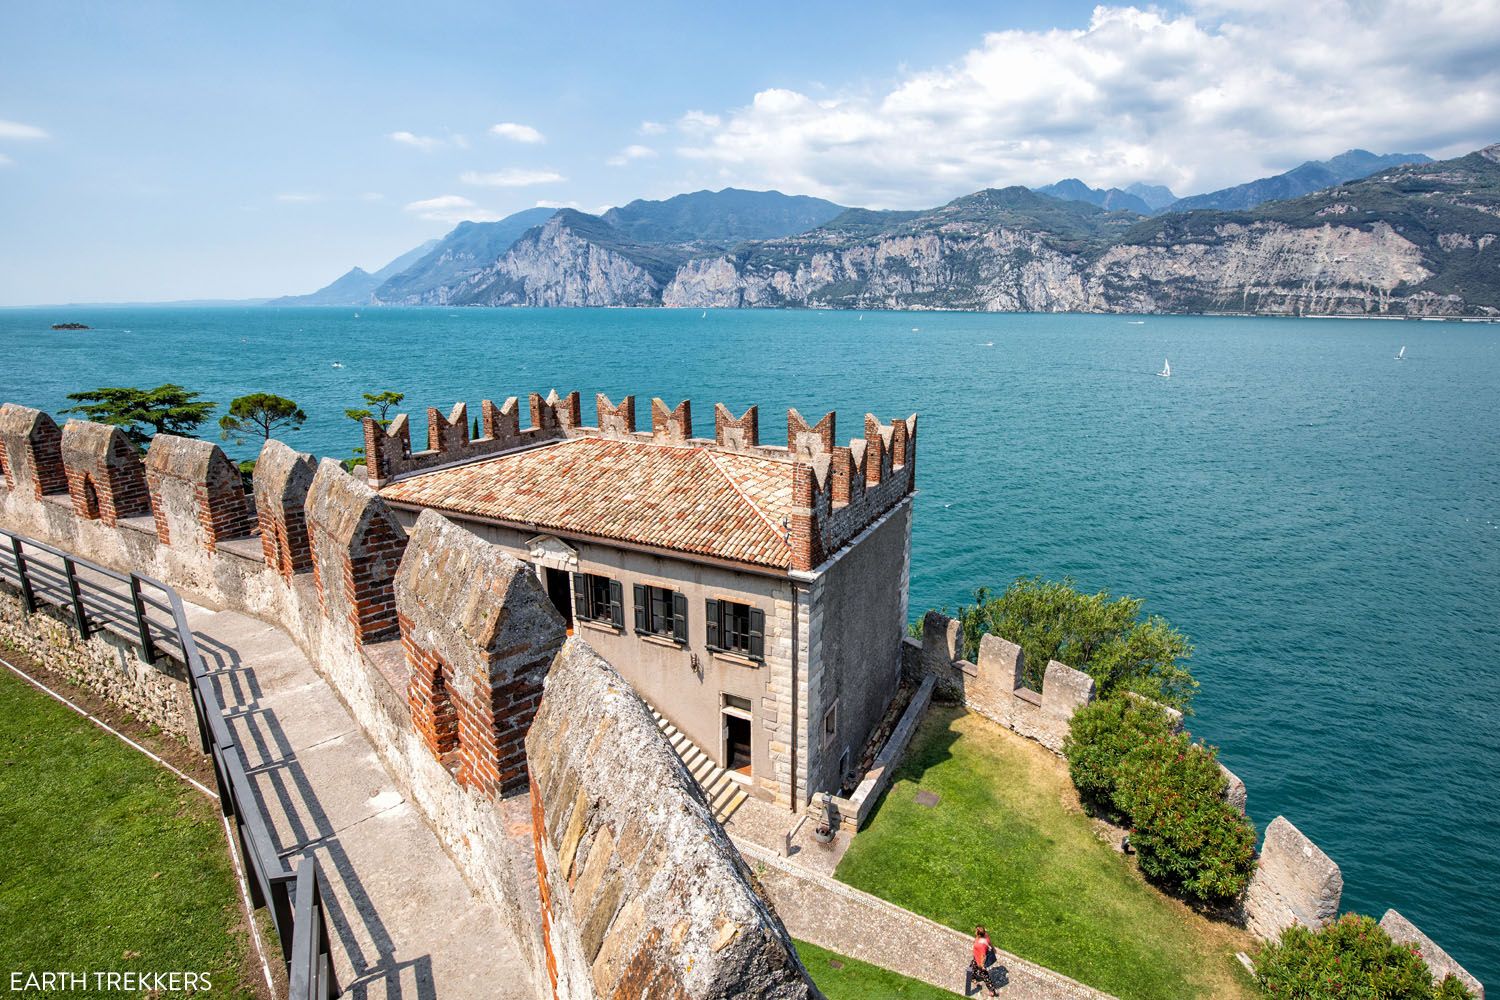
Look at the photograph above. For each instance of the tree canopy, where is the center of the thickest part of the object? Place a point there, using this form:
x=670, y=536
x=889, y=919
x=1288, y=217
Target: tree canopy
x=1104, y=636
x=141, y=413
x=377, y=403
x=260, y=414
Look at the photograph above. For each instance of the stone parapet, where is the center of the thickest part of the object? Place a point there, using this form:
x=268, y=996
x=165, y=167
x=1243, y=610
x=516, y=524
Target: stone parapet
x=32, y=444
x=283, y=478
x=1439, y=962
x=106, y=479
x=356, y=545
x=479, y=634
x=643, y=894
x=1294, y=883
x=197, y=494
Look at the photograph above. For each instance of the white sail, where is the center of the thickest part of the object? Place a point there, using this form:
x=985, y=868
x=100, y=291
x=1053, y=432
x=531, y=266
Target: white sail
x=1401, y=354
x=1166, y=369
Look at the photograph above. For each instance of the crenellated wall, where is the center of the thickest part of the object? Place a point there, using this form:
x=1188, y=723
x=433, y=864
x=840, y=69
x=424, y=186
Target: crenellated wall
x=1294, y=882
x=485, y=623
x=838, y=491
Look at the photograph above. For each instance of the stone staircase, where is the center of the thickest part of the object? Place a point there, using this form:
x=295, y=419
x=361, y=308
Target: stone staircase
x=723, y=792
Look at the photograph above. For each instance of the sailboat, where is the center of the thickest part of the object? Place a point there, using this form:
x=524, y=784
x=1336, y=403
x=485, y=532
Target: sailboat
x=1401, y=354
x=1166, y=369
x=705, y=314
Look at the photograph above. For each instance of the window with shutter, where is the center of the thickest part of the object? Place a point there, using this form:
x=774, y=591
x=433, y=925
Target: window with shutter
x=581, y=596
x=712, y=624
x=617, y=604
x=757, y=637
x=641, y=611
x=679, y=617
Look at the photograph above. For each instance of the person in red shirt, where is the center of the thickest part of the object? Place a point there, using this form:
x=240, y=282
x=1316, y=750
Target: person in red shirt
x=979, y=964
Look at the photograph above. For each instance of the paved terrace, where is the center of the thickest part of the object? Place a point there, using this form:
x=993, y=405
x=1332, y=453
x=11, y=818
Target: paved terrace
x=402, y=921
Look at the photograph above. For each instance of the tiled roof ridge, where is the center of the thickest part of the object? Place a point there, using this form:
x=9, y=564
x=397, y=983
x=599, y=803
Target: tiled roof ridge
x=776, y=530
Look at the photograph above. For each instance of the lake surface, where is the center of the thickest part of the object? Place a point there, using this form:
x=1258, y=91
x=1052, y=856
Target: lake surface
x=1322, y=520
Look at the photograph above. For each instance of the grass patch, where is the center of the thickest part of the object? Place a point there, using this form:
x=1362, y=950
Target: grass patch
x=110, y=862
x=851, y=979
x=1007, y=846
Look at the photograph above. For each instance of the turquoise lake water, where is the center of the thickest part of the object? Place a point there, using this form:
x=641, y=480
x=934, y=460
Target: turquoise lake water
x=1322, y=520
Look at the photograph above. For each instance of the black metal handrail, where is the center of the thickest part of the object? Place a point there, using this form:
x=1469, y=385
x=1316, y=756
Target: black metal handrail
x=83, y=592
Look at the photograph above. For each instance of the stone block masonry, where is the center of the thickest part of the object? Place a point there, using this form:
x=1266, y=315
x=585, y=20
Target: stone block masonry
x=356, y=545
x=643, y=894
x=106, y=479
x=1439, y=962
x=994, y=686
x=1294, y=883
x=105, y=664
x=283, y=478
x=479, y=634
x=198, y=495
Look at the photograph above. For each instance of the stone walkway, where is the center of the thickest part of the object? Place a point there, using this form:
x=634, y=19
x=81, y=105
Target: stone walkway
x=843, y=919
x=403, y=922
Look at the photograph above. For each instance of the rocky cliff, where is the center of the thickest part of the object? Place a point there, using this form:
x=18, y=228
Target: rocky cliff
x=1417, y=240
x=556, y=264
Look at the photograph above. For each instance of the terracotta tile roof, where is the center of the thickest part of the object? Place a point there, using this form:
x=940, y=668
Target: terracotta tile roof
x=690, y=499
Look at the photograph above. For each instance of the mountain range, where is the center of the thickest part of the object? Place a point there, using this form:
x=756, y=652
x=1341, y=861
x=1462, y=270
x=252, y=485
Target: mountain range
x=1357, y=234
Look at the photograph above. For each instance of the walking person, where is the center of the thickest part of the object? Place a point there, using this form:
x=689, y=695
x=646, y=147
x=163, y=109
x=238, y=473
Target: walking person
x=979, y=963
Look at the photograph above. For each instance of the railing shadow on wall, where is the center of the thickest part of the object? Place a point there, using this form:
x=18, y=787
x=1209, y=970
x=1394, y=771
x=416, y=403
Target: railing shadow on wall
x=149, y=615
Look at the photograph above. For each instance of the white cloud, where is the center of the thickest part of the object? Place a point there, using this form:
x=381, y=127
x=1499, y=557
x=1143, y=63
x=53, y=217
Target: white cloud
x=547, y=203
x=630, y=154
x=16, y=130
x=298, y=198
x=651, y=128
x=517, y=133
x=450, y=208
x=698, y=121
x=425, y=143
x=511, y=177
x=1227, y=91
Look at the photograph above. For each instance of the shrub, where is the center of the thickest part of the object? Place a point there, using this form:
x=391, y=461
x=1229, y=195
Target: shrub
x=1350, y=958
x=1103, y=636
x=1186, y=836
x=1100, y=735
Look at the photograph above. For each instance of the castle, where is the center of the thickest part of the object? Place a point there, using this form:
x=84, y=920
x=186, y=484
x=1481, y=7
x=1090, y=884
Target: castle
x=754, y=595
x=446, y=597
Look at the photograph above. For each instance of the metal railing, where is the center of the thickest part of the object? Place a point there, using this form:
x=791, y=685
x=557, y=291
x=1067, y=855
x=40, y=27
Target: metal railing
x=149, y=615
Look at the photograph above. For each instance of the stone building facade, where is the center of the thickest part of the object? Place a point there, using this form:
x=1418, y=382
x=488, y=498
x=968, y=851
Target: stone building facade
x=753, y=595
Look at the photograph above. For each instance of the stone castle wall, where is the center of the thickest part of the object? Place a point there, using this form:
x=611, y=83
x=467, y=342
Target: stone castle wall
x=466, y=607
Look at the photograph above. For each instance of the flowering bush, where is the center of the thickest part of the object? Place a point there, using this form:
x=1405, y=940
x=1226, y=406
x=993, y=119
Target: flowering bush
x=1187, y=837
x=1350, y=959
x=1100, y=735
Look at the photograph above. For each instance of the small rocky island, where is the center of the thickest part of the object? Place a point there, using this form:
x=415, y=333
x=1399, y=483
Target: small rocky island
x=70, y=326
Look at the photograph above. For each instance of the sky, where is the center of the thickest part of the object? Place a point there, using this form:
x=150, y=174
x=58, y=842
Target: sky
x=156, y=151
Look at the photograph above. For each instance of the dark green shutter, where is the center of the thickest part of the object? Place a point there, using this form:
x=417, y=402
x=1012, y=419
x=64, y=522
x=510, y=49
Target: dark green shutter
x=617, y=604
x=641, y=611
x=711, y=624
x=679, y=617
x=757, y=634
x=581, y=595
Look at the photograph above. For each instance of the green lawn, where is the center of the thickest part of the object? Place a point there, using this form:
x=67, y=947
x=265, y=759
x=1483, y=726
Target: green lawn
x=110, y=863
x=1006, y=846
x=843, y=978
